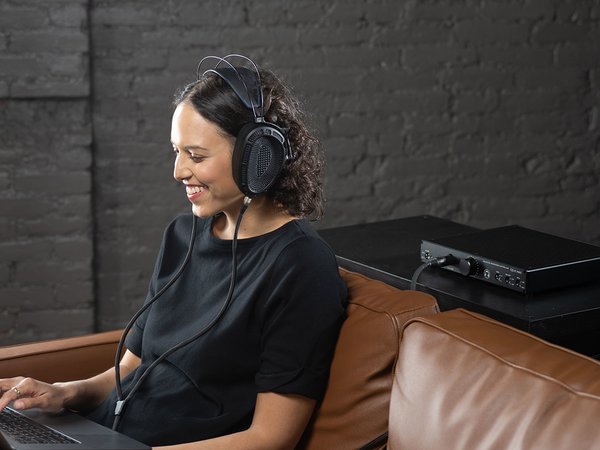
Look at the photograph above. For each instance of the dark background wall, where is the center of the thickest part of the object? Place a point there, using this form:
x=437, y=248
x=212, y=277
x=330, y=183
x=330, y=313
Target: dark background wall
x=483, y=112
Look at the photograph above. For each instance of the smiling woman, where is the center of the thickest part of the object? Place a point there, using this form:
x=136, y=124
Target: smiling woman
x=298, y=188
x=233, y=345
x=203, y=163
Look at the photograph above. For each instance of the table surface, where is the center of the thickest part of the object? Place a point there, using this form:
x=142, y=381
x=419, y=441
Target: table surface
x=390, y=251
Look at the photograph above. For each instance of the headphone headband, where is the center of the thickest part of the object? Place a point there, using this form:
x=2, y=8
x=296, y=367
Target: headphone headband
x=244, y=83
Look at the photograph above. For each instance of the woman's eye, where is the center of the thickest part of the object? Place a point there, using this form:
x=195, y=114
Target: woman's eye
x=192, y=156
x=196, y=158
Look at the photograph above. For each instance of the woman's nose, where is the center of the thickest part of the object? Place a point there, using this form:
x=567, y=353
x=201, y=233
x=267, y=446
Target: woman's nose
x=180, y=169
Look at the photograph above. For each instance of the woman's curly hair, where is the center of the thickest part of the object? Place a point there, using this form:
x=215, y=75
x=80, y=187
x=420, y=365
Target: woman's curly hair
x=299, y=187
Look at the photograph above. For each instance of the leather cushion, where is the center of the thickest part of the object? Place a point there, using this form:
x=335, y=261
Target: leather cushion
x=466, y=381
x=355, y=408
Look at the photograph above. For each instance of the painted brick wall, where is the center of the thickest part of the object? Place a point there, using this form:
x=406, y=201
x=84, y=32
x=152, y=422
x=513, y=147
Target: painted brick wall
x=46, y=241
x=483, y=112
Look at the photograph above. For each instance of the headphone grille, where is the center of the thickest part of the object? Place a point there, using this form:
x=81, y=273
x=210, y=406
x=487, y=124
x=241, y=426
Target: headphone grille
x=265, y=162
x=264, y=159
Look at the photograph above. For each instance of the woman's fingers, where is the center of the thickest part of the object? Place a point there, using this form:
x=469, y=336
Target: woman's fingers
x=11, y=390
x=29, y=393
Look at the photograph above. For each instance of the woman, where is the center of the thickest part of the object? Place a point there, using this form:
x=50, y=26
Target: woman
x=261, y=339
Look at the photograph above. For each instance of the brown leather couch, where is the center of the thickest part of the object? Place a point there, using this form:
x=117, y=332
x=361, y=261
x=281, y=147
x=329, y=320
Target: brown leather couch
x=452, y=380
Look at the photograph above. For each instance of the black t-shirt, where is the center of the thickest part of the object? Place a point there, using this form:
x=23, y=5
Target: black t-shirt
x=277, y=335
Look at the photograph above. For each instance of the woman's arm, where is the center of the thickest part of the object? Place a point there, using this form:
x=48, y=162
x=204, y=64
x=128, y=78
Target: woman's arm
x=278, y=423
x=78, y=395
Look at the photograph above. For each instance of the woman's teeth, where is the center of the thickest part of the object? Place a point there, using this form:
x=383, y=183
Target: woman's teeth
x=193, y=189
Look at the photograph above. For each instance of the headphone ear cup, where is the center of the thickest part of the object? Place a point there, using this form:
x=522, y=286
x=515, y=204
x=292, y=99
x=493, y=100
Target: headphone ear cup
x=258, y=157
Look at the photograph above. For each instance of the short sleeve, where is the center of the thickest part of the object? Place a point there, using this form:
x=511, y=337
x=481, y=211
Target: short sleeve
x=301, y=320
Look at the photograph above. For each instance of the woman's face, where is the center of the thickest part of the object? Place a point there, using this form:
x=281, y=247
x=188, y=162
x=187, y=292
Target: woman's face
x=203, y=163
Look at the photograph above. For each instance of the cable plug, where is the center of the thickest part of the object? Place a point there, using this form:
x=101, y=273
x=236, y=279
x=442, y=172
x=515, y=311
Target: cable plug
x=464, y=266
x=442, y=261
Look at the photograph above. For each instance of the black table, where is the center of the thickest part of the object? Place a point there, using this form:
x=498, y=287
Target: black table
x=389, y=251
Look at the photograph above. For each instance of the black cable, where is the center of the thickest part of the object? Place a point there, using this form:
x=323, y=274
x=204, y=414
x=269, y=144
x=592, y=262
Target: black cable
x=417, y=274
x=146, y=306
x=122, y=401
x=448, y=260
x=376, y=443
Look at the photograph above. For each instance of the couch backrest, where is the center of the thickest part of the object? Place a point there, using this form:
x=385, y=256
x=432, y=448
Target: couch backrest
x=61, y=359
x=355, y=408
x=464, y=381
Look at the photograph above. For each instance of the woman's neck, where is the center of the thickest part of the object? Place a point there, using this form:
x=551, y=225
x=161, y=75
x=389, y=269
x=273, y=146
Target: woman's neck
x=261, y=217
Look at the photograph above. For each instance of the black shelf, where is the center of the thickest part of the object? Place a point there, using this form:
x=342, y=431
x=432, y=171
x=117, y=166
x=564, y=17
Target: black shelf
x=389, y=251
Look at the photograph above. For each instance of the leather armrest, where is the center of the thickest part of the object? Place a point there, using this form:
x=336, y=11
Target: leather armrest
x=61, y=359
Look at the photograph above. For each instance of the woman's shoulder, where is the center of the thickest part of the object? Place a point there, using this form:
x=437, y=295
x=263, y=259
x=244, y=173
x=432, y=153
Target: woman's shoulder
x=306, y=263
x=306, y=247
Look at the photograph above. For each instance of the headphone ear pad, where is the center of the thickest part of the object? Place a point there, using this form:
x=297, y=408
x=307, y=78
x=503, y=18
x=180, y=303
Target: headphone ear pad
x=258, y=157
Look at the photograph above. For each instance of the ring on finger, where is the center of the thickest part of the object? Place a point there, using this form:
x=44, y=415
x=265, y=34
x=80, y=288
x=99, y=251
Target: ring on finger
x=17, y=391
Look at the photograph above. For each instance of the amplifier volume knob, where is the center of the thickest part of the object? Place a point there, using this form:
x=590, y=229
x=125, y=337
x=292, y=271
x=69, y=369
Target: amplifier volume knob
x=468, y=266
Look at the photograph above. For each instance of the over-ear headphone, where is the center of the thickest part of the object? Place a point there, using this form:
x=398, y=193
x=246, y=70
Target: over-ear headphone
x=261, y=148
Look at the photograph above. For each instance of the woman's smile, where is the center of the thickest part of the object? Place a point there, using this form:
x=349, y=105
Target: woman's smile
x=194, y=192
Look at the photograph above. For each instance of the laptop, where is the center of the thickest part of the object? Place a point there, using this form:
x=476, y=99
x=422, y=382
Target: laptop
x=23, y=430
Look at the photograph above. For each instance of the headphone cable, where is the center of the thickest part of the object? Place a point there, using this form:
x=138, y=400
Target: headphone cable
x=146, y=306
x=120, y=405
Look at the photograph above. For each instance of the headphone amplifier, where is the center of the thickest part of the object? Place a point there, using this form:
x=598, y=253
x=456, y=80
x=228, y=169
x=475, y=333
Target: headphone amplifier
x=518, y=258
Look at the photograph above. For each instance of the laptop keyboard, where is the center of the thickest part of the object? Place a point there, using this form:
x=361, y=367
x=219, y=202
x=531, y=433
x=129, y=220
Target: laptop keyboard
x=26, y=431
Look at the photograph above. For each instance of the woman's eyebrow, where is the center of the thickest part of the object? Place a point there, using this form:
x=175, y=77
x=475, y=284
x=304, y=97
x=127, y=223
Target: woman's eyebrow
x=191, y=147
